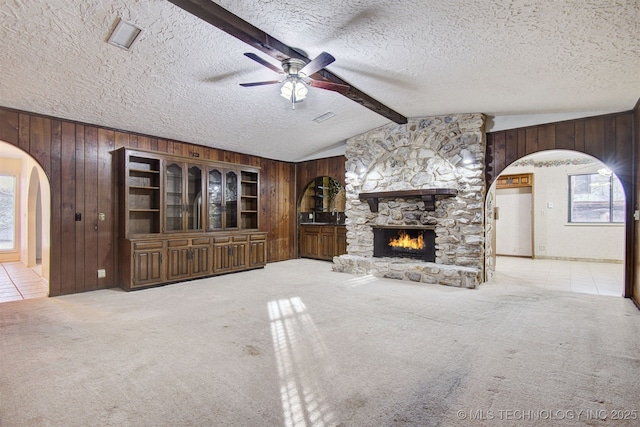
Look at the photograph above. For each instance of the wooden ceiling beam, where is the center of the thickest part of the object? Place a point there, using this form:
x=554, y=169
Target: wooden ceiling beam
x=231, y=24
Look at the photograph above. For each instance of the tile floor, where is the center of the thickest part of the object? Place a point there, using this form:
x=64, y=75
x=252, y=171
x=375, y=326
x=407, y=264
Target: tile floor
x=597, y=278
x=19, y=282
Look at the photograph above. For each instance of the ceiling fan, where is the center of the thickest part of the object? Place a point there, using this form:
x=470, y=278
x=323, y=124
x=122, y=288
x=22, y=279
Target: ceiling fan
x=296, y=80
x=235, y=26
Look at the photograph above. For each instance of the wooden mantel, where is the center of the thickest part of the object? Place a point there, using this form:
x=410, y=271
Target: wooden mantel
x=428, y=196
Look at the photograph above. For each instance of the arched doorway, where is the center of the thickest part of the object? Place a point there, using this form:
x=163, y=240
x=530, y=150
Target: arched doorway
x=29, y=262
x=558, y=215
x=608, y=138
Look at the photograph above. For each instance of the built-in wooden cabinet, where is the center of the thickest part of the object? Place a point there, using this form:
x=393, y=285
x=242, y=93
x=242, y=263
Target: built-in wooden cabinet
x=514, y=181
x=148, y=262
x=183, y=207
x=230, y=253
x=257, y=250
x=249, y=200
x=188, y=258
x=341, y=240
x=182, y=218
x=141, y=193
x=322, y=241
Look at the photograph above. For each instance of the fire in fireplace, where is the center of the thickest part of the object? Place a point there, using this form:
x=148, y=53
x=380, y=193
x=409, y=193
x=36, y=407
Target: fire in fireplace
x=404, y=241
x=416, y=243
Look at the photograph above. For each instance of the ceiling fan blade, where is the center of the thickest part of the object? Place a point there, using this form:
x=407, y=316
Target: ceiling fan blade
x=263, y=62
x=336, y=87
x=270, y=82
x=317, y=63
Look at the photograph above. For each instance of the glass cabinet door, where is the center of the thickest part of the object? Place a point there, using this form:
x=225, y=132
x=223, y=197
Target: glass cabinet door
x=214, y=199
x=173, y=197
x=194, y=198
x=231, y=200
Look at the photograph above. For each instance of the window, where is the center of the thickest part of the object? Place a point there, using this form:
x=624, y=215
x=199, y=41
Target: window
x=595, y=197
x=7, y=212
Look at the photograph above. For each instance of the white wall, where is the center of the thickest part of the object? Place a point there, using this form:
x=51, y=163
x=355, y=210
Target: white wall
x=554, y=236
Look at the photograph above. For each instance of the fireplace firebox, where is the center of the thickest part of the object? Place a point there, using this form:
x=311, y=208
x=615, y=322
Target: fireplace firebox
x=405, y=242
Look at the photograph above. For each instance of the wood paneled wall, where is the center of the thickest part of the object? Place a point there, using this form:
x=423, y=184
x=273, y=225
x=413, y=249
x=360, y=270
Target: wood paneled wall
x=78, y=162
x=608, y=138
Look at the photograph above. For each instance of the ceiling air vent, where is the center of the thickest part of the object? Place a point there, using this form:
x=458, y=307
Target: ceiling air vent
x=325, y=116
x=124, y=34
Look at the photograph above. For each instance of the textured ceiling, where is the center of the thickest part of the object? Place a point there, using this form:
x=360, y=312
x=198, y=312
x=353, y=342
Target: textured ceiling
x=180, y=79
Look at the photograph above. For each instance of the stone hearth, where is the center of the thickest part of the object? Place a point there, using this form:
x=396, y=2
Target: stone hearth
x=444, y=152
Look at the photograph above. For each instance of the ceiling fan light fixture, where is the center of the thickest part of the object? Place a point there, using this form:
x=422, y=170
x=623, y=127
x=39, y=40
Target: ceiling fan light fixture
x=294, y=90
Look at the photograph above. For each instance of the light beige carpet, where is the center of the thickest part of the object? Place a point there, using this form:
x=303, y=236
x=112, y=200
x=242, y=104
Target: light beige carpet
x=295, y=344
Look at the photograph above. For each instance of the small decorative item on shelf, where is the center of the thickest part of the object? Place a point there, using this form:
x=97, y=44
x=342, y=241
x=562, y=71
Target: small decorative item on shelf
x=334, y=188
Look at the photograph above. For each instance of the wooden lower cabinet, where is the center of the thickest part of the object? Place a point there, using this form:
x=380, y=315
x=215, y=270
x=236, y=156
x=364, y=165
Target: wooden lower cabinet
x=230, y=253
x=188, y=258
x=341, y=240
x=201, y=258
x=322, y=241
x=257, y=250
x=309, y=241
x=178, y=252
x=158, y=261
x=327, y=242
x=147, y=263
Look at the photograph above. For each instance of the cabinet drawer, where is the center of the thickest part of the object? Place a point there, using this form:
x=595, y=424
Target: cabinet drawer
x=221, y=239
x=239, y=238
x=175, y=243
x=258, y=237
x=201, y=241
x=158, y=244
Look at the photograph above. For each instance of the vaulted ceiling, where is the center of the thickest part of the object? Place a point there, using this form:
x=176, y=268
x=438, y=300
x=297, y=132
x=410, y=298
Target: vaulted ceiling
x=180, y=80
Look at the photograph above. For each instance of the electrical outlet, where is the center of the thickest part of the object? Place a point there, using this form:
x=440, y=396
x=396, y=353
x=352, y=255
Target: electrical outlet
x=101, y=216
x=102, y=273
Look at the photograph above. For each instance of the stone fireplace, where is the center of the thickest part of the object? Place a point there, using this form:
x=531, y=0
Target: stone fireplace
x=427, y=179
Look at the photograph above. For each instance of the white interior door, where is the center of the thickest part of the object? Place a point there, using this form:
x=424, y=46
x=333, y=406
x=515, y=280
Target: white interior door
x=513, y=223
